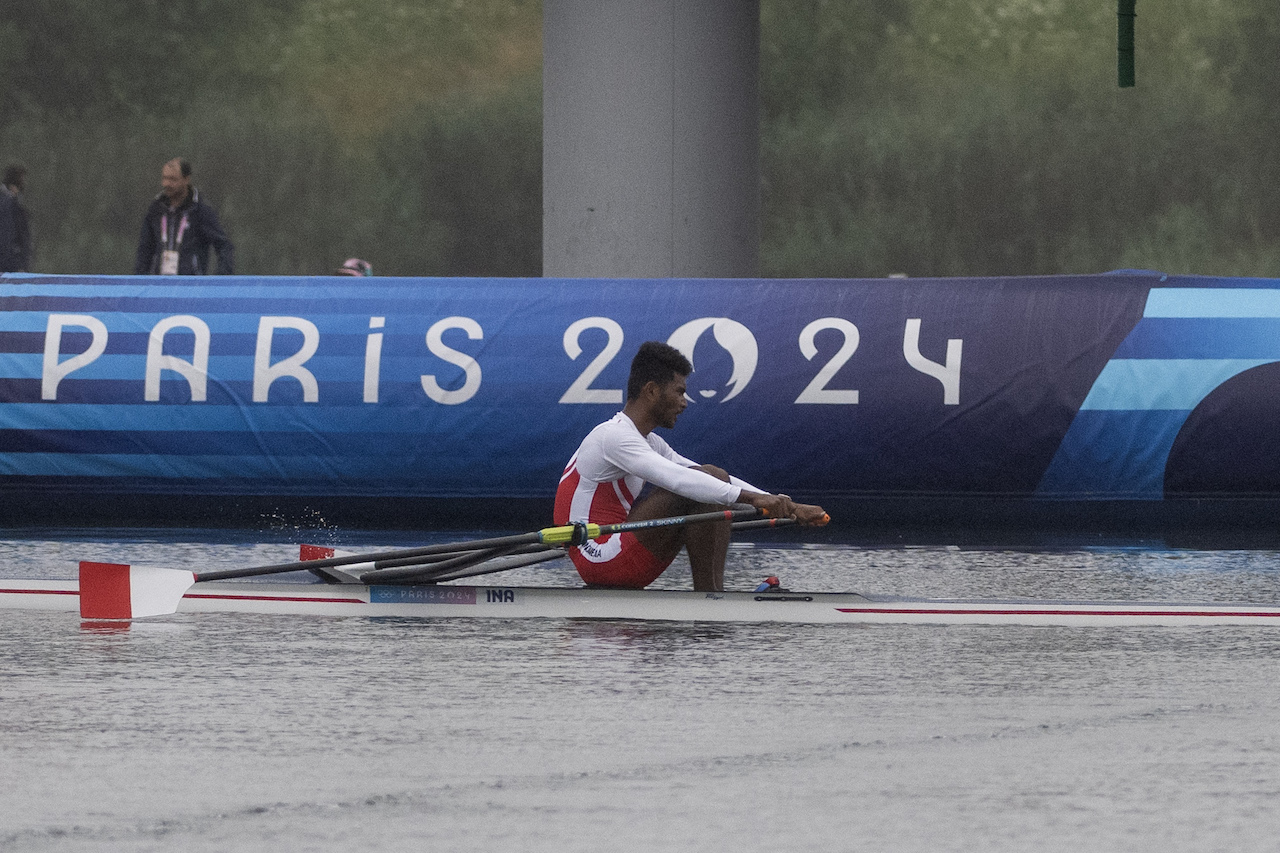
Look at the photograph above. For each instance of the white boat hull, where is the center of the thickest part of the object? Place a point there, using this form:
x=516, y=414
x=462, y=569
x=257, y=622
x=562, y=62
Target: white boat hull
x=498, y=602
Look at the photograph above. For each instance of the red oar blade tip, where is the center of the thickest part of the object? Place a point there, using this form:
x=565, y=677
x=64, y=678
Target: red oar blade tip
x=315, y=552
x=120, y=591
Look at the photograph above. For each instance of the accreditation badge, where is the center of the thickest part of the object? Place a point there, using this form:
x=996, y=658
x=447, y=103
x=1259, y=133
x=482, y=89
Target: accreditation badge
x=169, y=262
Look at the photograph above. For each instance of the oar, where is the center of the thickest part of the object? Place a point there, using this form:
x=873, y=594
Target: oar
x=474, y=564
x=566, y=534
x=410, y=569
x=758, y=523
x=406, y=570
x=478, y=554
x=116, y=591
x=489, y=567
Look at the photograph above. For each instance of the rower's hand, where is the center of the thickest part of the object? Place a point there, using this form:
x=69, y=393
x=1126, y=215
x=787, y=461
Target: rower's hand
x=781, y=506
x=773, y=506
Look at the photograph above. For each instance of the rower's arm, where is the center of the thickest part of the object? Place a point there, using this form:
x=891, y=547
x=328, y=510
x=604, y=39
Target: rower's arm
x=665, y=469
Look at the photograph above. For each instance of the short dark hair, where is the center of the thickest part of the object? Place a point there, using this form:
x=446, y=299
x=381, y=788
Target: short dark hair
x=15, y=176
x=184, y=168
x=655, y=362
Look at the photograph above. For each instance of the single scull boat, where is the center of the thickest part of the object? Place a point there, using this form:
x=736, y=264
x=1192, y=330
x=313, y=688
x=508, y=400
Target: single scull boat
x=421, y=583
x=513, y=602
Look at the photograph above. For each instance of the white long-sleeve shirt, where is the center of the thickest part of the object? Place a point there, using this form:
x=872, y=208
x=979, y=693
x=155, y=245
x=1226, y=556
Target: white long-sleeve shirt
x=613, y=463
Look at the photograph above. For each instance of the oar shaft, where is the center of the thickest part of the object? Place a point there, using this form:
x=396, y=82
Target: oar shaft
x=759, y=523
x=528, y=555
x=504, y=565
x=408, y=570
x=352, y=559
x=405, y=572
x=439, y=560
x=562, y=535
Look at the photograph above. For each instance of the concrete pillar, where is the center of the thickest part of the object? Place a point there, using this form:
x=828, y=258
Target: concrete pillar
x=650, y=140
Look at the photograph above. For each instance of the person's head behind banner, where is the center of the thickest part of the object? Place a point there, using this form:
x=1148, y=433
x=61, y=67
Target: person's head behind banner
x=15, y=177
x=355, y=266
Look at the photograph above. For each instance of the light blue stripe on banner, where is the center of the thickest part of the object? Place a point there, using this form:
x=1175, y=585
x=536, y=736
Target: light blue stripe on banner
x=222, y=368
x=1212, y=302
x=131, y=465
x=202, y=417
x=1146, y=384
x=233, y=370
x=238, y=322
x=290, y=474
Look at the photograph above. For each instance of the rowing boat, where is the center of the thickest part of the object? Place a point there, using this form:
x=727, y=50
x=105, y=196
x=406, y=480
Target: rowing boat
x=425, y=583
x=451, y=601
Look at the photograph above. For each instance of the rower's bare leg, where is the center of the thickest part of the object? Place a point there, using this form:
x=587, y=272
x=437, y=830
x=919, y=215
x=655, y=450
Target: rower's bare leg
x=707, y=543
x=708, y=546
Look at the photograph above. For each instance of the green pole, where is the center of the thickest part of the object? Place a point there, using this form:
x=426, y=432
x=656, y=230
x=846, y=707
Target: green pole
x=1124, y=42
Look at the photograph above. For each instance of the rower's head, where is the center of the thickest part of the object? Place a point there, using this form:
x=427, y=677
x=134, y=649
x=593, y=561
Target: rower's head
x=656, y=386
x=658, y=363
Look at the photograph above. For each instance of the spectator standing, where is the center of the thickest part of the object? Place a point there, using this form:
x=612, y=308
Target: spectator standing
x=15, y=226
x=179, y=228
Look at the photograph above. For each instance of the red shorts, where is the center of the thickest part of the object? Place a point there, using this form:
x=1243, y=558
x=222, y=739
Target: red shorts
x=618, y=560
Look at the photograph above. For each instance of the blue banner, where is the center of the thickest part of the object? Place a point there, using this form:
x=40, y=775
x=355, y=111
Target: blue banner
x=1112, y=386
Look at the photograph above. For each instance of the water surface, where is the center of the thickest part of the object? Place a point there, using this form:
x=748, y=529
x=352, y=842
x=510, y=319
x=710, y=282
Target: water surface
x=206, y=732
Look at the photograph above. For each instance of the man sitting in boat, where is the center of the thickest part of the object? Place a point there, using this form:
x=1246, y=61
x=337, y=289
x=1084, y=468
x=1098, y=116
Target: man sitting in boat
x=604, y=478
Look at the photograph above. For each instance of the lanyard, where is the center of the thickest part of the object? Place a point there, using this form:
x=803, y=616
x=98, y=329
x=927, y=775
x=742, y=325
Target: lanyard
x=164, y=230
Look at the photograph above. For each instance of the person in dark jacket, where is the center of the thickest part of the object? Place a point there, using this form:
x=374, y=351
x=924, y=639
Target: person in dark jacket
x=15, y=228
x=179, y=229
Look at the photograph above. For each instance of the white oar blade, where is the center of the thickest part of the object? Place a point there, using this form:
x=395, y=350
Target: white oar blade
x=120, y=591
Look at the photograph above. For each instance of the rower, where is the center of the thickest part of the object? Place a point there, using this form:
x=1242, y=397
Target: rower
x=604, y=479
